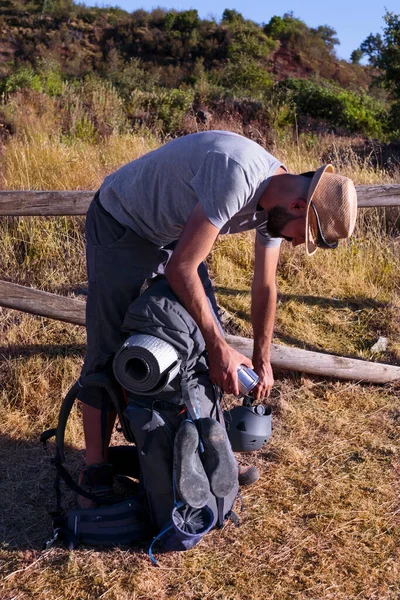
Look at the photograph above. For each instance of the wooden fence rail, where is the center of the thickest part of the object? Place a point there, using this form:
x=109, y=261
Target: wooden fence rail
x=33, y=203
x=71, y=310
x=53, y=306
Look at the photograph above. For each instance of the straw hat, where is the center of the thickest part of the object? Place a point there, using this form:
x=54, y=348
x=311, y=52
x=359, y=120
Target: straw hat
x=334, y=199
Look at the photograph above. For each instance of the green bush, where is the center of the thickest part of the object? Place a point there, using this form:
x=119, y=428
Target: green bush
x=394, y=121
x=171, y=106
x=46, y=78
x=51, y=77
x=251, y=44
x=246, y=75
x=92, y=108
x=296, y=33
x=232, y=16
x=85, y=130
x=184, y=21
x=163, y=108
x=356, y=112
x=23, y=78
x=279, y=111
x=285, y=28
x=132, y=76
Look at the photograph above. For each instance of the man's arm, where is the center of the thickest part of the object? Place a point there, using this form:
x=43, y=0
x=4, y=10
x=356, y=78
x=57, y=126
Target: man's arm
x=195, y=243
x=263, y=308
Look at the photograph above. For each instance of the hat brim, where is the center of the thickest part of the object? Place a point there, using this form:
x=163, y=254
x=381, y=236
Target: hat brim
x=311, y=224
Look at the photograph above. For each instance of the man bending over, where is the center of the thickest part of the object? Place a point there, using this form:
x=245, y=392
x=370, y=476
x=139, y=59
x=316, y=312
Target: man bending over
x=162, y=213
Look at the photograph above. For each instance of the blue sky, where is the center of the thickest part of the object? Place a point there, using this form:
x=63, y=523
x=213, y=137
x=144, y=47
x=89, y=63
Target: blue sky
x=353, y=20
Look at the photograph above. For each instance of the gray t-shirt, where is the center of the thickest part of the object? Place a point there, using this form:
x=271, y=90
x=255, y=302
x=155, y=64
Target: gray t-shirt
x=155, y=194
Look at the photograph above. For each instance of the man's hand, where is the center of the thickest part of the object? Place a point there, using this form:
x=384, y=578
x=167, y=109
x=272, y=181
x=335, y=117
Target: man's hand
x=264, y=386
x=223, y=364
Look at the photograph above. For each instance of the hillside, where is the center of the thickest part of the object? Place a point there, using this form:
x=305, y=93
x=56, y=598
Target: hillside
x=163, y=65
x=82, y=39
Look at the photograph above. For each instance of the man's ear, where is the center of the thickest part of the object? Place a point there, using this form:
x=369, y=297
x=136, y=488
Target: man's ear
x=298, y=206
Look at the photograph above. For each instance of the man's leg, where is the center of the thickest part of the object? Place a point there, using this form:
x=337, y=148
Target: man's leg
x=96, y=447
x=118, y=263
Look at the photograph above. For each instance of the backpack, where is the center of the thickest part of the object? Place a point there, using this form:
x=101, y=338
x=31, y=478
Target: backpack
x=151, y=423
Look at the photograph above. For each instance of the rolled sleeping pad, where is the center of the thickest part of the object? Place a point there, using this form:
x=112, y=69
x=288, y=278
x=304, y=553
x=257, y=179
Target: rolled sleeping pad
x=145, y=364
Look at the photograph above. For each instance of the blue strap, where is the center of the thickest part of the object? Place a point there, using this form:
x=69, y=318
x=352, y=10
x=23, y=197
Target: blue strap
x=176, y=505
x=151, y=555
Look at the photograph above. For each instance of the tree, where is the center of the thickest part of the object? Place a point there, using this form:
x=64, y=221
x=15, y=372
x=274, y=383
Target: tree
x=356, y=56
x=384, y=53
x=295, y=32
x=286, y=27
x=230, y=15
x=187, y=20
x=328, y=35
x=373, y=47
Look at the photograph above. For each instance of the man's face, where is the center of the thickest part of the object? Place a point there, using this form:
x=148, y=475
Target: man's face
x=287, y=224
x=295, y=231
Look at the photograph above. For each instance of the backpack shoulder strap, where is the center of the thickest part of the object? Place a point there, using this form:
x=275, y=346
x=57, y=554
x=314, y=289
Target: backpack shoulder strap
x=59, y=431
x=59, y=458
x=63, y=415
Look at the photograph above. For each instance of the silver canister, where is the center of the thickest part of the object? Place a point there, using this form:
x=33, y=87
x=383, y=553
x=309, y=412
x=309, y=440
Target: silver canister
x=248, y=379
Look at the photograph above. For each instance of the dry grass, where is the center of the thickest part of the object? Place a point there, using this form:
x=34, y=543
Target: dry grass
x=339, y=302
x=323, y=522
x=37, y=161
x=308, y=153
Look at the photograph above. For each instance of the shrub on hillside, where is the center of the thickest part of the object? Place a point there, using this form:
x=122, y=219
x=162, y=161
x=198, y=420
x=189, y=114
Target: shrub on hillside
x=24, y=78
x=246, y=75
x=184, y=21
x=357, y=113
x=92, y=107
x=46, y=78
x=312, y=48
x=249, y=41
x=132, y=75
x=163, y=108
x=394, y=121
x=296, y=34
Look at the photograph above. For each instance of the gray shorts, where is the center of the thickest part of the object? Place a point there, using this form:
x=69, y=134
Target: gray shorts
x=118, y=264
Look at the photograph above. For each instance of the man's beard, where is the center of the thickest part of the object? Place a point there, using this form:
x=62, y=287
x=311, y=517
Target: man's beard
x=278, y=217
